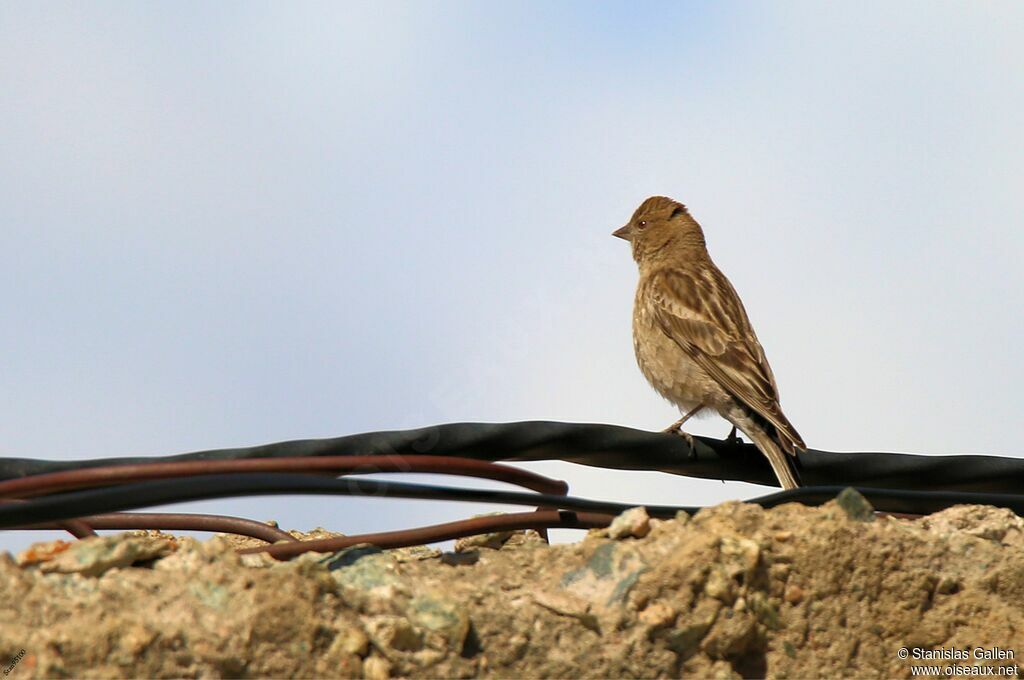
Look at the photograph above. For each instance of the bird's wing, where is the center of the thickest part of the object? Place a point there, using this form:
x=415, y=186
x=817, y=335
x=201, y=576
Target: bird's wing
x=703, y=315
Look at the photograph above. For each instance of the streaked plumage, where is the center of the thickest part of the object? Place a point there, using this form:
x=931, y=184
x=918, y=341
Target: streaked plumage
x=692, y=338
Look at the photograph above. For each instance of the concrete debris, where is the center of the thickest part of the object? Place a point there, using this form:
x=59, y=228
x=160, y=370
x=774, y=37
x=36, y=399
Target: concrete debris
x=733, y=591
x=855, y=505
x=633, y=523
x=95, y=555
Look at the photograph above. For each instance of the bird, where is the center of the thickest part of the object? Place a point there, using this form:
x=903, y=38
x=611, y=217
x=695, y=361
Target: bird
x=693, y=341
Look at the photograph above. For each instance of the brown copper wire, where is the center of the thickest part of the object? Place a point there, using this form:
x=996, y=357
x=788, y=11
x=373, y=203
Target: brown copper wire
x=100, y=476
x=75, y=527
x=538, y=519
x=115, y=474
x=172, y=520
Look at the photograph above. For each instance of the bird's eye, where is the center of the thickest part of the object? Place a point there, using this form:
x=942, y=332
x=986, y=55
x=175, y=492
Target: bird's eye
x=643, y=223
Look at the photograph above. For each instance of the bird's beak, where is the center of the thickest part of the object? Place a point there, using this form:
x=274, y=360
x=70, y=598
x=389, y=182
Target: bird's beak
x=624, y=232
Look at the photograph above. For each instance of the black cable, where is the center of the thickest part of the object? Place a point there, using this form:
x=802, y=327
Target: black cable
x=895, y=500
x=159, y=492
x=611, y=446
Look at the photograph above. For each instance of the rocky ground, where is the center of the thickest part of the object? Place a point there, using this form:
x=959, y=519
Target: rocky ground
x=735, y=591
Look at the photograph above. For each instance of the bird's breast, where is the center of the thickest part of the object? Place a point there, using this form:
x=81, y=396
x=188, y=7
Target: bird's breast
x=667, y=367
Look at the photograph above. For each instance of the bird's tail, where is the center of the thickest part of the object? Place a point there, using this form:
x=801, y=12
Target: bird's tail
x=783, y=465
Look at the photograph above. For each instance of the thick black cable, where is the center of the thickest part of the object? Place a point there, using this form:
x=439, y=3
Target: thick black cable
x=611, y=446
x=204, y=487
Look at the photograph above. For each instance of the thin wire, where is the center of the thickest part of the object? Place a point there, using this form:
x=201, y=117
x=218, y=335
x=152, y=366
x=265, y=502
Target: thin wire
x=204, y=487
x=158, y=492
x=538, y=519
x=171, y=520
x=353, y=465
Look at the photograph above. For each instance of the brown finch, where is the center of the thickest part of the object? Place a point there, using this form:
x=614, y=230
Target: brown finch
x=693, y=340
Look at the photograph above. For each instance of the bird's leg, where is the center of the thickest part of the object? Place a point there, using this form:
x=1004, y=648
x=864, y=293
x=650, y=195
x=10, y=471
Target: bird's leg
x=732, y=439
x=674, y=428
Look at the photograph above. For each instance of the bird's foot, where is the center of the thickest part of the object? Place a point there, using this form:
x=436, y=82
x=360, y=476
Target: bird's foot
x=674, y=429
x=689, y=440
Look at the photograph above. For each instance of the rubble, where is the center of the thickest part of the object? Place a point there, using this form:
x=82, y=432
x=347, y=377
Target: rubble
x=733, y=591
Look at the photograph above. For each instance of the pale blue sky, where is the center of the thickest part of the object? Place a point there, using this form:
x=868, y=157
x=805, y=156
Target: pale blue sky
x=240, y=223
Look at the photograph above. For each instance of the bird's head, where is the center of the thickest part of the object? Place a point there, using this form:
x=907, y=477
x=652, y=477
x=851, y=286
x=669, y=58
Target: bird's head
x=660, y=226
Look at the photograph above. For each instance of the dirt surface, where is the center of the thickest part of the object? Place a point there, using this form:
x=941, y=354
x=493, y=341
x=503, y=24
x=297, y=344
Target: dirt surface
x=735, y=591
